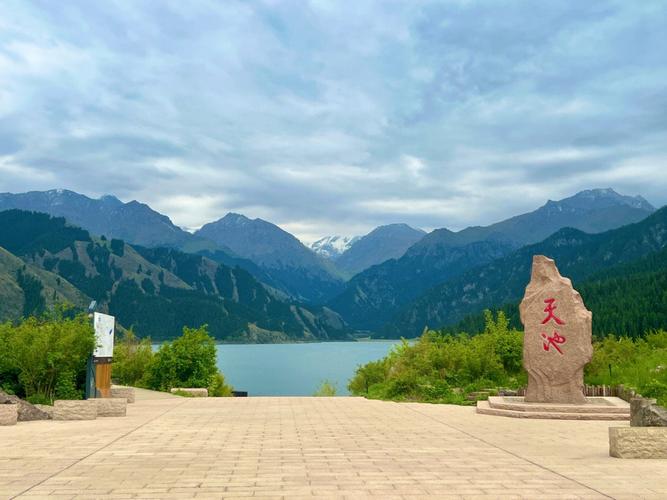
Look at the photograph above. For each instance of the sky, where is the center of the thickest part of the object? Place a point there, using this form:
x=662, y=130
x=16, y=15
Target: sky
x=333, y=117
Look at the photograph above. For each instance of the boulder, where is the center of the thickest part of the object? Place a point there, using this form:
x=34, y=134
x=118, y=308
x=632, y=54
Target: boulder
x=638, y=442
x=119, y=391
x=645, y=412
x=26, y=411
x=557, y=340
x=191, y=391
x=74, y=409
x=111, y=407
x=8, y=414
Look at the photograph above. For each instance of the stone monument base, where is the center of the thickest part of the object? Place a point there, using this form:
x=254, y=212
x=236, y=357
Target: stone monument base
x=595, y=408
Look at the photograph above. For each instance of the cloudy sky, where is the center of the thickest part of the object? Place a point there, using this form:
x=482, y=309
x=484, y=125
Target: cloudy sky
x=332, y=117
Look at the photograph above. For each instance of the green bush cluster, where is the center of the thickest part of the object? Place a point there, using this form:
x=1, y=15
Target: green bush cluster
x=327, y=388
x=442, y=368
x=187, y=361
x=42, y=359
x=639, y=363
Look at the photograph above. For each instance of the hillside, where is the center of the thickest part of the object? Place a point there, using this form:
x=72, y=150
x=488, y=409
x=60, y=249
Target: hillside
x=628, y=299
x=578, y=255
x=158, y=291
x=26, y=289
x=381, y=244
x=377, y=294
x=290, y=265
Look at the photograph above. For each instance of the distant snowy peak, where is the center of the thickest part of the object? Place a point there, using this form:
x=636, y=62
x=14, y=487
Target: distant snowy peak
x=332, y=247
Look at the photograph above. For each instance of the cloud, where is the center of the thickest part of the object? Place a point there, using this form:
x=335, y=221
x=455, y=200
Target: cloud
x=325, y=119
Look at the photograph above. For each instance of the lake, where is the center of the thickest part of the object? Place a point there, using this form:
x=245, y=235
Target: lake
x=295, y=369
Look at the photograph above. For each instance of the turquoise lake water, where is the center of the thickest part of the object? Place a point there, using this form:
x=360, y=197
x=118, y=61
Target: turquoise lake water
x=295, y=369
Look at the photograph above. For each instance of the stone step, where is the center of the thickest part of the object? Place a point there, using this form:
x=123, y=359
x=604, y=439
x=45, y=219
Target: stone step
x=484, y=408
x=606, y=405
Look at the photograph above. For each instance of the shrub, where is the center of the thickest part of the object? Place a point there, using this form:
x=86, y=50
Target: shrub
x=45, y=358
x=188, y=361
x=326, y=389
x=133, y=360
x=219, y=387
x=438, y=365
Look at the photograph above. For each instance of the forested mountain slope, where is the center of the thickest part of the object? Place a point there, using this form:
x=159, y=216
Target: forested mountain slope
x=158, y=291
x=578, y=255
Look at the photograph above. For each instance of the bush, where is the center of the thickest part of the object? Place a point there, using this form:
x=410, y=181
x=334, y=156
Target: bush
x=218, y=387
x=441, y=367
x=188, y=361
x=42, y=359
x=326, y=389
x=640, y=363
x=438, y=365
x=133, y=360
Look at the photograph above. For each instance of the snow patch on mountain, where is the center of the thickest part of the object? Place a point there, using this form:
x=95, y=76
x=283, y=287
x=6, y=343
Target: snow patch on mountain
x=332, y=247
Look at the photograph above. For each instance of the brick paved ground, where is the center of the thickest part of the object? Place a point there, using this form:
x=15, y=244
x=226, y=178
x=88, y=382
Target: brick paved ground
x=325, y=447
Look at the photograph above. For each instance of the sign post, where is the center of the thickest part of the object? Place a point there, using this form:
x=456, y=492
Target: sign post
x=103, y=354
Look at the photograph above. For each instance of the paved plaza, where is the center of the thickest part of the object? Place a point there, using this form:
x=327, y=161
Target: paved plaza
x=170, y=447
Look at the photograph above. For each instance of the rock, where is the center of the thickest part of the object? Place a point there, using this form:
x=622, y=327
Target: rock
x=111, y=407
x=638, y=442
x=557, y=341
x=9, y=413
x=192, y=391
x=119, y=391
x=26, y=411
x=646, y=413
x=46, y=409
x=74, y=409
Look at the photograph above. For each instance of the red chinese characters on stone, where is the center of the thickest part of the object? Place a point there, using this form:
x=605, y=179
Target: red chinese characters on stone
x=556, y=338
x=550, y=312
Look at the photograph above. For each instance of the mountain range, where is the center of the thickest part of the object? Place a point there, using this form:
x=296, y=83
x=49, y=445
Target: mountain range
x=373, y=297
x=252, y=280
x=155, y=291
x=578, y=255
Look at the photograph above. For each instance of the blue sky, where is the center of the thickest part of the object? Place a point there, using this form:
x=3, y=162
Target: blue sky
x=332, y=117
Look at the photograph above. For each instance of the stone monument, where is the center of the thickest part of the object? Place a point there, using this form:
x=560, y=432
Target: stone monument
x=557, y=341
x=556, y=347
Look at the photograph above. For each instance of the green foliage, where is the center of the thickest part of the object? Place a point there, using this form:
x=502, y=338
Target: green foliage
x=219, y=387
x=133, y=359
x=640, y=363
x=188, y=361
x=438, y=366
x=326, y=389
x=43, y=359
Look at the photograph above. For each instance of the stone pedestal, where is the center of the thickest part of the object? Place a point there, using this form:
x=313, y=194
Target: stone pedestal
x=118, y=391
x=557, y=341
x=74, y=409
x=9, y=414
x=111, y=407
x=638, y=442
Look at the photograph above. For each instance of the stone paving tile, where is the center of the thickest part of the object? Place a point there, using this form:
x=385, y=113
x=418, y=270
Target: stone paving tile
x=322, y=447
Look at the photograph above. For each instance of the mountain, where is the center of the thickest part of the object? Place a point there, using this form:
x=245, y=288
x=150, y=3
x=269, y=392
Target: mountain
x=332, y=247
x=134, y=222
x=374, y=296
x=157, y=291
x=578, y=255
x=626, y=299
x=381, y=244
x=26, y=289
x=290, y=265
